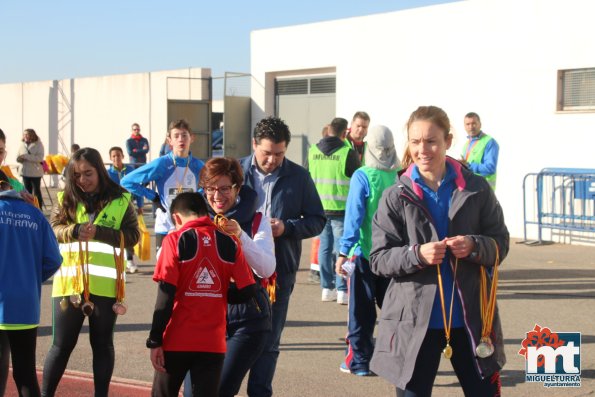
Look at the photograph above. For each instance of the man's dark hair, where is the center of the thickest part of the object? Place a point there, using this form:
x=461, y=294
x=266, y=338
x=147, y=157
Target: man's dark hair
x=361, y=115
x=338, y=127
x=188, y=203
x=272, y=128
x=472, y=114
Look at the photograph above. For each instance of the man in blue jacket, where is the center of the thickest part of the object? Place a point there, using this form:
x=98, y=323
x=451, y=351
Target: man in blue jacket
x=29, y=255
x=137, y=146
x=287, y=195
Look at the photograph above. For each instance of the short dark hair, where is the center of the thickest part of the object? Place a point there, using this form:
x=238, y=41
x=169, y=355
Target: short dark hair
x=180, y=124
x=188, y=203
x=338, y=127
x=272, y=128
x=361, y=115
x=472, y=114
x=118, y=148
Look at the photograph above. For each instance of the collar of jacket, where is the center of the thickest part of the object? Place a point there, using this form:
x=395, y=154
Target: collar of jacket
x=459, y=179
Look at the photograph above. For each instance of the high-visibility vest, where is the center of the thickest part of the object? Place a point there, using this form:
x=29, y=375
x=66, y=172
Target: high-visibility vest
x=476, y=155
x=378, y=180
x=102, y=266
x=328, y=173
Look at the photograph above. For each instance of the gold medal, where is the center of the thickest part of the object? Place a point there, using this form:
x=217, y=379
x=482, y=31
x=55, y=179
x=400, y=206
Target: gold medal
x=63, y=303
x=75, y=299
x=119, y=308
x=485, y=348
x=87, y=308
x=447, y=351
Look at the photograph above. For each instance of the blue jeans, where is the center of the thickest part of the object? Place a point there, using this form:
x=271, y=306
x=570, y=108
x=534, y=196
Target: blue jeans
x=260, y=380
x=328, y=251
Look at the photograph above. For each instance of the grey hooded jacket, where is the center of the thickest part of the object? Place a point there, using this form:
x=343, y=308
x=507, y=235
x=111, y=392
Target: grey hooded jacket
x=400, y=225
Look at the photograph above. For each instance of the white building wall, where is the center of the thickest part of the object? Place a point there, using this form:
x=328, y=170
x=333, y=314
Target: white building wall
x=103, y=108
x=497, y=58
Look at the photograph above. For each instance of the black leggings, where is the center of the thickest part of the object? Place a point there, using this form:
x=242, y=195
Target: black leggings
x=205, y=372
x=22, y=345
x=463, y=362
x=33, y=186
x=66, y=328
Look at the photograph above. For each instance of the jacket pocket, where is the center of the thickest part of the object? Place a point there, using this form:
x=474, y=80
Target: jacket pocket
x=394, y=337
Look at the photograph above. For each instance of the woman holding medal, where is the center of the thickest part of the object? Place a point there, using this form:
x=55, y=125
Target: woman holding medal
x=435, y=233
x=93, y=217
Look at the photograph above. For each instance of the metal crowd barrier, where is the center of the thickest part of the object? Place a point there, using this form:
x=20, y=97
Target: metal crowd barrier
x=560, y=199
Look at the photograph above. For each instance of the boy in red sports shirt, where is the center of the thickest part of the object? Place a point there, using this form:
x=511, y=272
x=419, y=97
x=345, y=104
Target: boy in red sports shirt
x=193, y=272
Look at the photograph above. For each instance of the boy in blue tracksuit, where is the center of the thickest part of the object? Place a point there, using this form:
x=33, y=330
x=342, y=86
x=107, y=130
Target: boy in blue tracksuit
x=116, y=172
x=29, y=255
x=174, y=173
x=365, y=288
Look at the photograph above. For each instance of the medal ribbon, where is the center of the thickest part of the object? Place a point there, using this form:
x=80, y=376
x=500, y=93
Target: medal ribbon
x=178, y=184
x=488, y=305
x=84, y=261
x=220, y=221
x=447, y=326
x=120, y=278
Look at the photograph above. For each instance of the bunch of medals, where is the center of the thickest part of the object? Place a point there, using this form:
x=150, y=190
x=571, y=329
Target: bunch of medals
x=82, y=273
x=485, y=348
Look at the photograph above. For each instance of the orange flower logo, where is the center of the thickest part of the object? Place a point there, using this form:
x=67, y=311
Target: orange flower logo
x=540, y=337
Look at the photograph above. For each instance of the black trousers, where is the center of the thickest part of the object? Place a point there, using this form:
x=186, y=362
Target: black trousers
x=22, y=344
x=33, y=186
x=463, y=362
x=67, y=325
x=205, y=372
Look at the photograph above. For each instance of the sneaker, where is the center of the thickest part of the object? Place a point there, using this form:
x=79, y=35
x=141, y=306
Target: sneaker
x=329, y=295
x=343, y=368
x=342, y=298
x=358, y=372
x=314, y=277
x=131, y=267
x=362, y=372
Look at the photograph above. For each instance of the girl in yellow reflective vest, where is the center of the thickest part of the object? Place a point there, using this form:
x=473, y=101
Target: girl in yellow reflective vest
x=91, y=216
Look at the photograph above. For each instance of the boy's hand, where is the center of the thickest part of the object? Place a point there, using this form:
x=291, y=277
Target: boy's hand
x=157, y=359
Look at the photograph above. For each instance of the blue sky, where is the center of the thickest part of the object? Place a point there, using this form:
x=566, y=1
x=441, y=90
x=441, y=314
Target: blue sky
x=47, y=40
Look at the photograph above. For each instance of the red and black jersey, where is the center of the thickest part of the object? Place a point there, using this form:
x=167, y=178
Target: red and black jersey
x=200, y=261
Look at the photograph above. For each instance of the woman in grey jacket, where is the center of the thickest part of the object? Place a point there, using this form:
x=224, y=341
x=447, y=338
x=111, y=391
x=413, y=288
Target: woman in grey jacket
x=432, y=234
x=30, y=156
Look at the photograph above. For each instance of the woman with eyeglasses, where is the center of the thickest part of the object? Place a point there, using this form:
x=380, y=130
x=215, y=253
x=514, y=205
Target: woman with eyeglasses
x=249, y=323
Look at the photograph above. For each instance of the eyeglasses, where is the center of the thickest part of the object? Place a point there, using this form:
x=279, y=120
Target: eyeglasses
x=224, y=190
x=136, y=129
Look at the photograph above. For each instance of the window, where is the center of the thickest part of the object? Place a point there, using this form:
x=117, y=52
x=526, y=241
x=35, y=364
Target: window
x=305, y=86
x=576, y=89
